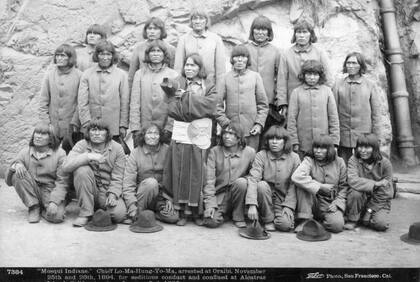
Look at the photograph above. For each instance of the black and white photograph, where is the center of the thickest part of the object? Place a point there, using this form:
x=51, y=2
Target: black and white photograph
x=209, y=140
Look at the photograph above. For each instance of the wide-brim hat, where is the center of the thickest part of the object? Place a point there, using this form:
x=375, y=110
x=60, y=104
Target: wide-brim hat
x=254, y=231
x=413, y=235
x=313, y=231
x=145, y=223
x=199, y=132
x=101, y=221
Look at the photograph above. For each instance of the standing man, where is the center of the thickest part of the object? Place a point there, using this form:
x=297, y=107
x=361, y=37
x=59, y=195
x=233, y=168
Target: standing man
x=207, y=44
x=97, y=164
x=103, y=92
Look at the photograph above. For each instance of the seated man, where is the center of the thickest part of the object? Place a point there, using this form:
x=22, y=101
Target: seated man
x=143, y=176
x=97, y=164
x=226, y=187
x=38, y=177
x=271, y=193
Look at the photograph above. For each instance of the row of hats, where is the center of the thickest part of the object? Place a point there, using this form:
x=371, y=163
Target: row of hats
x=145, y=223
x=312, y=230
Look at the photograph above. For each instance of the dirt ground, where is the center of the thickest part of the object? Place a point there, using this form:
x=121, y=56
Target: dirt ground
x=47, y=245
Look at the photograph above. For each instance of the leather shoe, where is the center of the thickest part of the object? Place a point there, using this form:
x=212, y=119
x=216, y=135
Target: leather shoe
x=34, y=214
x=269, y=227
x=80, y=221
x=240, y=224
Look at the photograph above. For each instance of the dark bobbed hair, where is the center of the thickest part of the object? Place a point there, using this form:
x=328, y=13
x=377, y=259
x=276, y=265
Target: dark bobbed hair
x=369, y=140
x=261, y=22
x=360, y=59
x=198, y=61
x=158, y=23
x=138, y=138
x=326, y=142
x=198, y=12
x=278, y=132
x=304, y=24
x=100, y=124
x=238, y=132
x=54, y=141
x=102, y=46
x=69, y=51
x=241, y=50
x=161, y=45
x=96, y=28
x=311, y=66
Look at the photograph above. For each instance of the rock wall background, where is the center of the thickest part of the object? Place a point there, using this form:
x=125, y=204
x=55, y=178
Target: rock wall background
x=30, y=30
x=408, y=20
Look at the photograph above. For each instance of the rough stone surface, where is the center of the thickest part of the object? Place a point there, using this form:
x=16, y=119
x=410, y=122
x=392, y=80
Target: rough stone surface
x=408, y=20
x=31, y=30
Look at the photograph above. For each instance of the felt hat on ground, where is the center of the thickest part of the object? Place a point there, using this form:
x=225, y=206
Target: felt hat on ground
x=313, y=231
x=101, y=221
x=145, y=223
x=413, y=235
x=254, y=231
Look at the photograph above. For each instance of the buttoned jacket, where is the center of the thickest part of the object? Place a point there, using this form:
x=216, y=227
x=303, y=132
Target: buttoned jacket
x=265, y=60
x=312, y=111
x=277, y=172
x=58, y=98
x=290, y=66
x=243, y=101
x=103, y=94
x=358, y=105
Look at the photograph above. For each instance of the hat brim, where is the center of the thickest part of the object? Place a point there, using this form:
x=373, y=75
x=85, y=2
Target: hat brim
x=91, y=227
x=244, y=234
x=138, y=229
x=409, y=240
x=300, y=235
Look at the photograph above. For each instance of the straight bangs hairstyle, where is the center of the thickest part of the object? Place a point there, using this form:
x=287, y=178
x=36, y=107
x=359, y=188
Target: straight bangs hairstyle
x=238, y=133
x=54, y=141
x=101, y=125
x=138, y=138
x=161, y=45
x=158, y=23
x=197, y=12
x=304, y=24
x=241, y=50
x=326, y=142
x=198, y=61
x=69, y=51
x=277, y=132
x=261, y=22
x=312, y=66
x=102, y=46
x=369, y=140
x=360, y=59
x=97, y=29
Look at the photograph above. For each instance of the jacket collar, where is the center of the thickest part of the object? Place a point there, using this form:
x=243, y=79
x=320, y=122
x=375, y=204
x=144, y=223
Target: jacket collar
x=236, y=74
x=155, y=69
x=108, y=147
x=237, y=154
x=307, y=49
x=259, y=45
x=205, y=34
x=108, y=70
x=272, y=157
x=147, y=151
x=306, y=87
x=33, y=153
x=358, y=80
x=67, y=71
